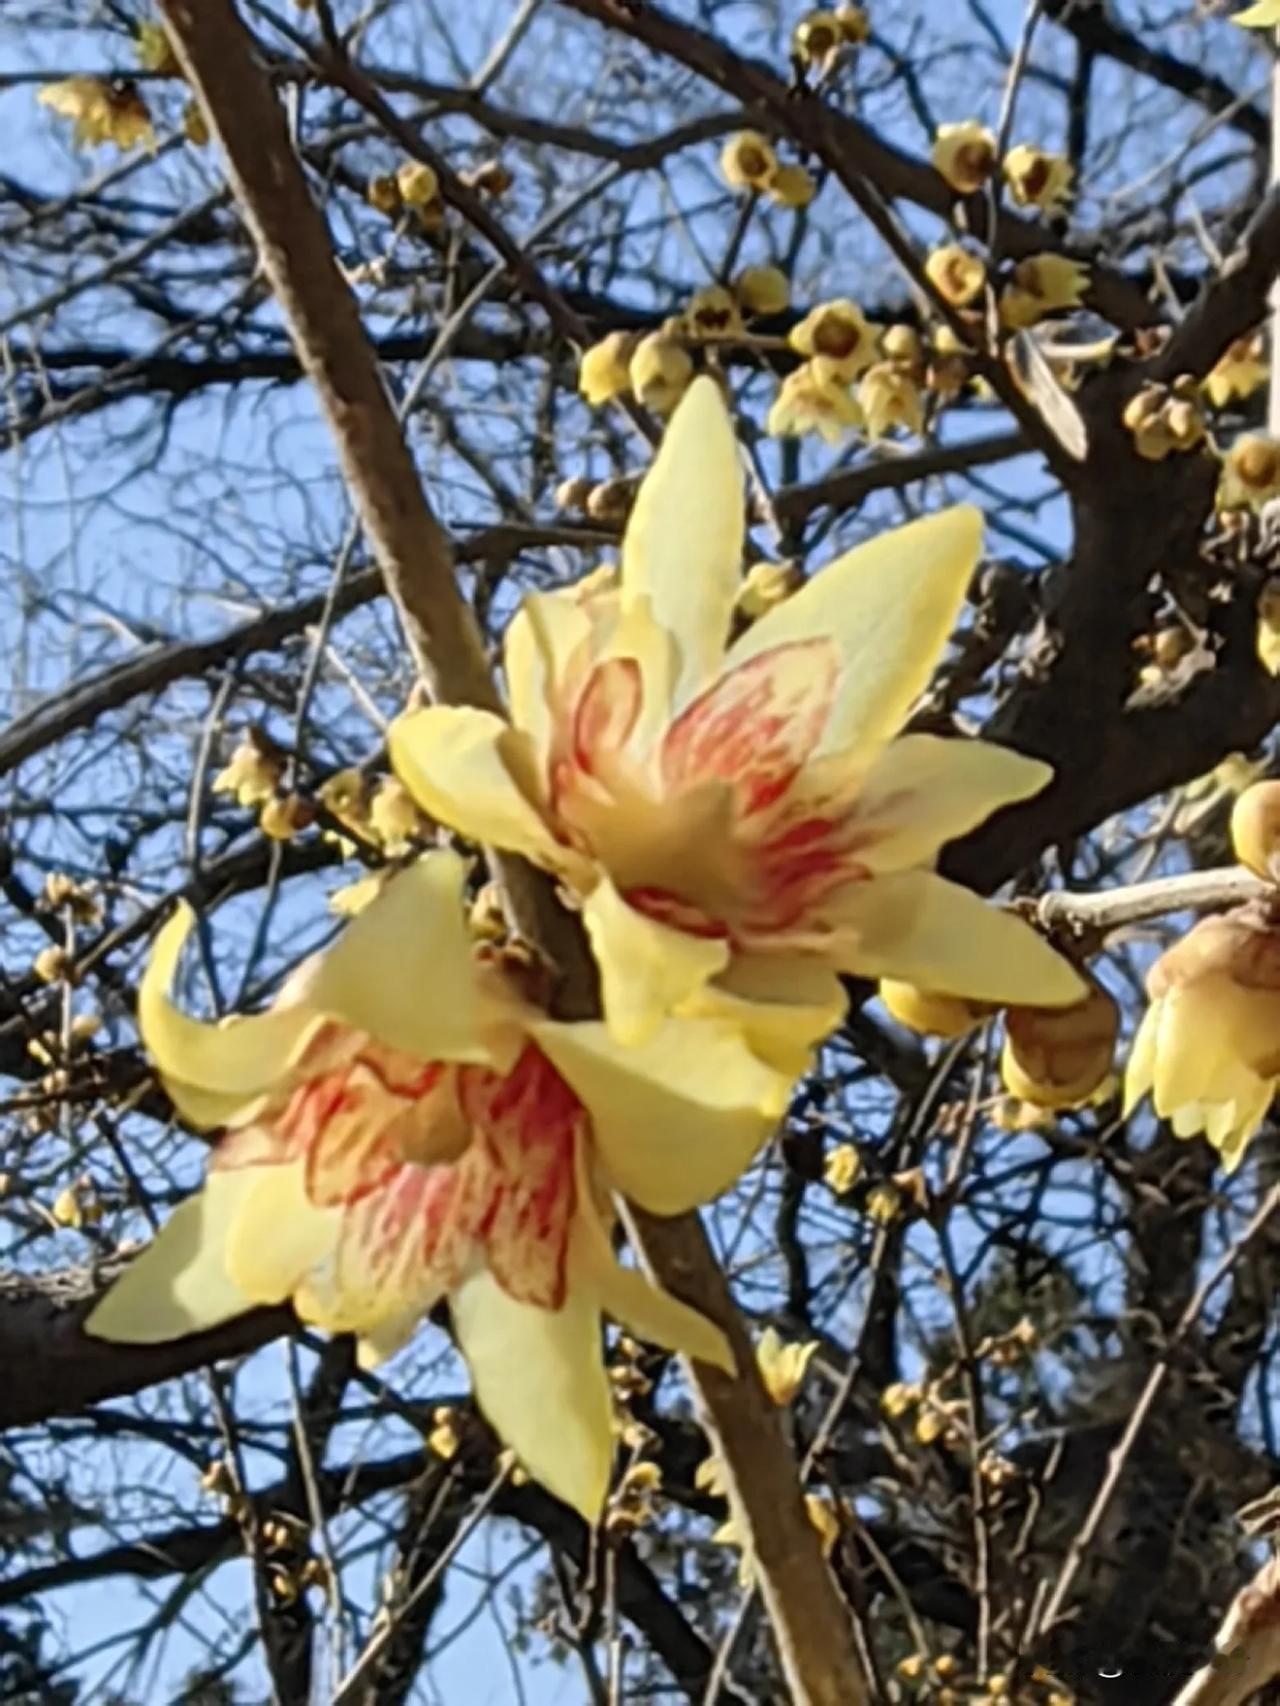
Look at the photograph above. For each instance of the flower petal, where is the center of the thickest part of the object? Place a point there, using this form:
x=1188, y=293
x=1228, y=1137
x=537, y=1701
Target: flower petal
x=646, y=968
x=919, y=928
x=541, y=639
x=276, y=1235
x=676, y=1118
x=890, y=605
x=474, y=772
x=179, y=1284
x=633, y=1301
x=539, y=1377
x=683, y=544
x=1140, y=1071
x=783, y=1004
x=755, y=726
x=924, y=790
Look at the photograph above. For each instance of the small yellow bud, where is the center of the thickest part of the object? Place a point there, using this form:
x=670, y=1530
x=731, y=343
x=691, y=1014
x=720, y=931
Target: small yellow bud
x=792, y=186
x=765, y=586
x=889, y=397
x=1239, y=372
x=884, y=1204
x=417, y=184
x=956, y=274
x=912, y=1666
x=195, y=126
x=965, y=155
x=604, y=371
x=611, y=500
x=855, y=26
x=394, y=818
x=929, y=1013
x=1170, y=645
x=946, y=1664
x=491, y=178
x=52, y=964
x=282, y=819
x=931, y=1424
x=825, y=1520
x=1038, y=179
x=748, y=160
x=572, y=494
x=762, y=290
x=1255, y=829
x=902, y=345
x=1269, y=626
x=712, y=313
x=253, y=772
x=782, y=1366
x=383, y=194
x=660, y=371
x=711, y=1476
x=1250, y=473
x=443, y=1438
x=842, y=1168
x=898, y=1398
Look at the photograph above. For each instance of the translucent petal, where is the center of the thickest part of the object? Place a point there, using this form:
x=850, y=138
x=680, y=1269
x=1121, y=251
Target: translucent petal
x=179, y=1284
x=676, y=1118
x=919, y=928
x=783, y=1004
x=890, y=605
x=540, y=640
x=276, y=1236
x=683, y=544
x=646, y=969
x=634, y=1301
x=1140, y=1072
x=539, y=1377
x=475, y=773
x=924, y=790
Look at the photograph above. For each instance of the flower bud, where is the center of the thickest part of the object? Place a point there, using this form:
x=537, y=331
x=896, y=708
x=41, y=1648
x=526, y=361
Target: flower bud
x=1056, y=1057
x=1255, y=829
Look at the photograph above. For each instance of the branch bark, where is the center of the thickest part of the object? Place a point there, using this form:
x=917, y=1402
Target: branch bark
x=810, y=1619
x=1247, y=1647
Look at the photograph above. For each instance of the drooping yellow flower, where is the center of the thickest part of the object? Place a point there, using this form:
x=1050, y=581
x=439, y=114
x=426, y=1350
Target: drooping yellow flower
x=394, y=818
x=748, y=160
x=762, y=290
x=889, y=397
x=812, y=400
x=418, y=183
x=840, y=332
x=782, y=1366
x=1263, y=15
x=402, y=1125
x=737, y=821
x=1268, y=637
x=1250, y=474
x=1038, y=179
x=660, y=371
x=1041, y=285
x=903, y=346
x=817, y=38
x=253, y=772
x=792, y=185
x=1208, y=1047
x=956, y=274
x=965, y=155
x=1058, y=1057
x=1240, y=371
x=154, y=50
x=841, y=1168
x=1255, y=830
x=104, y=111
x=604, y=372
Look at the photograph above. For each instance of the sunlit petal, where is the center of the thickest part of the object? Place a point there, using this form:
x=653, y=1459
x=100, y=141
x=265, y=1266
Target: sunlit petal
x=646, y=969
x=276, y=1235
x=683, y=545
x=923, y=791
x=918, y=928
x=890, y=605
x=541, y=639
x=783, y=1004
x=539, y=1377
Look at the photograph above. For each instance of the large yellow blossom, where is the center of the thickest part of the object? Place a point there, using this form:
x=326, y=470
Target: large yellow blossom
x=402, y=1125
x=1208, y=1047
x=738, y=822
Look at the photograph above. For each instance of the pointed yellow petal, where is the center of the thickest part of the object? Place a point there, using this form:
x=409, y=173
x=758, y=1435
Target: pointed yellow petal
x=783, y=1004
x=180, y=1283
x=276, y=1236
x=634, y=1302
x=226, y=1065
x=475, y=773
x=646, y=969
x=923, y=790
x=1140, y=1071
x=918, y=928
x=403, y=969
x=541, y=638
x=677, y=1118
x=890, y=605
x=683, y=545
x=1264, y=15
x=539, y=1377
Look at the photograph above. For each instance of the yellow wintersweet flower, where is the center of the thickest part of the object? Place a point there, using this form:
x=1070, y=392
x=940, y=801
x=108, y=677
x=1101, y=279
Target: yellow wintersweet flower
x=381, y=1153
x=782, y=1366
x=1208, y=1047
x=1264, y=15
x=417, y=183
x=1040, y=285
x=1268, y=638
x=817, y=38
x=840, y=332
x=792, y=186
x=931, y=1014
x=604, y=371
x=712, y=312
x=855, y=25
x=394, y=818
x=762, y=290
x=1038, y=179
x=811, y=400
x=154, y=50
x=889, y=397
x=737, y=821
x=660, y=371
x=253, y=771
x=903, y=346
x=965, y=155
x=956, y=274
x=841, y=1168
x=748, y=160
x=1255, y=830
x=103, y=111
x=1240, y=371
x=1250, y=474
x=1058, y=1057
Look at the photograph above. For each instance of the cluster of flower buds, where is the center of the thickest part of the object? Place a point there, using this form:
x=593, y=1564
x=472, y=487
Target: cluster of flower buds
x=1166, y=419
x=965, y=155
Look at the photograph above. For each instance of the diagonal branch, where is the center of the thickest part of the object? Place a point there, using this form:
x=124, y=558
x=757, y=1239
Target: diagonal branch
x=809, y=1617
